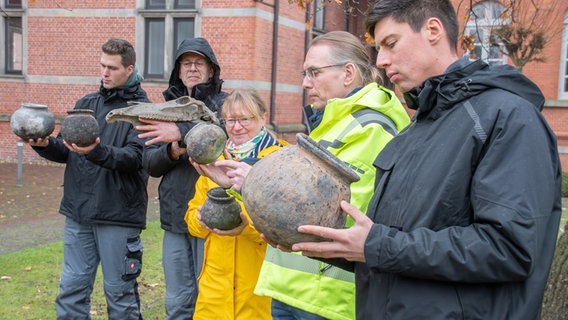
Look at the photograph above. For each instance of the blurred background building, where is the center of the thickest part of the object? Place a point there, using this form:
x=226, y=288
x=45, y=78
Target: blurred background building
x=50, y=49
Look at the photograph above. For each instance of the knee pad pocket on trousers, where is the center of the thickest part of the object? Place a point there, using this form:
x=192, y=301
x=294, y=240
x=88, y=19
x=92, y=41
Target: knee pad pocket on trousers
x=133, y=259
x=75, y=280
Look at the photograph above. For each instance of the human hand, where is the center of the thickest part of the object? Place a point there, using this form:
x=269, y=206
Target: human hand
x=82, y=150
x=217, y=174
x=232, y=232
x=235, y=171
x=225, y=173
x=39, y=142
x=160, y=130
x=345, y=243
x=175, y=151
x=274, y=244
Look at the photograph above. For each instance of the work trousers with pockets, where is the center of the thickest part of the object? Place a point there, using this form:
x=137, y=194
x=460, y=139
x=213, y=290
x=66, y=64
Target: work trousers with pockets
x=119, y=251
x=182, y=257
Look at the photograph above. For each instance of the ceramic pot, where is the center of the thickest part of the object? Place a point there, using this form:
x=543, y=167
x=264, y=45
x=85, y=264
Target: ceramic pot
x=297, y=185
x=80, y=127
x=205, y=142
x=32, y=121
x=220, y=210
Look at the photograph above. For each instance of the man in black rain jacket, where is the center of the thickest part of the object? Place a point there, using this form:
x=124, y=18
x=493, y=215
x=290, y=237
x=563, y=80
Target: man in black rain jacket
x=465, y=216
x=196, y=73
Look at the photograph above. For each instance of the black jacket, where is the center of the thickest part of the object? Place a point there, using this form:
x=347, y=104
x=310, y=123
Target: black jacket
x=177, y=186
x=467, y=203
x=107, y=186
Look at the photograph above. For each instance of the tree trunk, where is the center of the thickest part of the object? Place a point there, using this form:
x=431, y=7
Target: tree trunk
x=555, y=304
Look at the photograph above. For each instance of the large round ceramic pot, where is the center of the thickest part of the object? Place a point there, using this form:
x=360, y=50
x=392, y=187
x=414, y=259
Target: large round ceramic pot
x=220, y=210
x=205, y=142
x=297, y=185
x=32, y=121
x=80, y=127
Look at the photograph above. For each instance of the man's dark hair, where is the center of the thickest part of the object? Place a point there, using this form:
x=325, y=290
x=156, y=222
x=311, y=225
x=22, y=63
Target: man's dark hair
x=415, y=13
x=123, y=48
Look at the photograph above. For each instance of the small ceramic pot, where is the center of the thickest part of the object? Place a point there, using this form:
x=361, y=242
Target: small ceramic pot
x=205, y=142
x=297, y=185
x=80, y=127
x=220, y=210
x=32, y=121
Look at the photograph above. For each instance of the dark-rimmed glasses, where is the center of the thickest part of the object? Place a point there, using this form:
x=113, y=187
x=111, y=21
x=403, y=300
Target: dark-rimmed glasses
x=312, y=72
x=229, y=122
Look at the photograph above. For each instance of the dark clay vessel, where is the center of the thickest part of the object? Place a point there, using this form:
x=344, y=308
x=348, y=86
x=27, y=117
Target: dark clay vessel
x=205, y=142
x=80, y=127
x=220, y=210
x=297, y=185
x=32, y=121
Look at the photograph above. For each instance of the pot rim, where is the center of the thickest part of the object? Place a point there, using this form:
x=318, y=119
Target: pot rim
x=311, y=145
x=218, y=193
x=33, y=105
x=75, y=111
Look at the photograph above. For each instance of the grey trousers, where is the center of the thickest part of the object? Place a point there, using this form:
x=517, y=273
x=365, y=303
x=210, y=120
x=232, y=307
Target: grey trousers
x=182, y=257
x=119, y=251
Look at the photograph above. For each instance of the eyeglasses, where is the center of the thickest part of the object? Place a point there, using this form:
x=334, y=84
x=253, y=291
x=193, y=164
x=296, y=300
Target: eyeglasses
x=198, y=64
x=312, y=72
x=229, y=122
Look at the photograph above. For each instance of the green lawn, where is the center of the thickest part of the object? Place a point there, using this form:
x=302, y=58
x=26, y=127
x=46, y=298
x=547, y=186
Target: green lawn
x=29, y=281
x=564, y=219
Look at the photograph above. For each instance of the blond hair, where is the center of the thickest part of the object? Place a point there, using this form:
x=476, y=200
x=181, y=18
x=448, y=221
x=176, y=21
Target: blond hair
x=347, y=48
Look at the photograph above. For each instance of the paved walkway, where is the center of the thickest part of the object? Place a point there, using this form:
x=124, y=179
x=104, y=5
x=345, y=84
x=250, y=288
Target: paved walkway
x=29, y=213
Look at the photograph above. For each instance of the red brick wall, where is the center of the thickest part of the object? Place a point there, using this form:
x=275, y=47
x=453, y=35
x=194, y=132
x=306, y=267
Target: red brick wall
x=83, y=4
x=70, y=46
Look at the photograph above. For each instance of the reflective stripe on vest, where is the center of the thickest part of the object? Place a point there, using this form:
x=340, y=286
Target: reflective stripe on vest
x=362, y=117
x=296, y=261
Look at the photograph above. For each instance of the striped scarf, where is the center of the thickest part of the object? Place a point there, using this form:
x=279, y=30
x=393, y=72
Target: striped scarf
x=248, y=151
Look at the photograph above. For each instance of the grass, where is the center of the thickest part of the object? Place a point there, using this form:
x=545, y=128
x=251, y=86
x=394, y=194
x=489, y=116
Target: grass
x=30, y=278
x=563, y=220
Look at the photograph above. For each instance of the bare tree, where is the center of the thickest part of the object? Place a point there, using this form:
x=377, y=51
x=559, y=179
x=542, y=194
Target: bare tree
x=522, y=29
x=350, y=7
x=555, y=304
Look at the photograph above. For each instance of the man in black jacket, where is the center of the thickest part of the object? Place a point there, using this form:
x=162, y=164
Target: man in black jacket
x=104, y=198
x=196, y=74
x=465, y=215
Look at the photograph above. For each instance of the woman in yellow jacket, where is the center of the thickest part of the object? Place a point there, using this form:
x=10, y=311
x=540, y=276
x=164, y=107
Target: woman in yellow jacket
x=233, y=258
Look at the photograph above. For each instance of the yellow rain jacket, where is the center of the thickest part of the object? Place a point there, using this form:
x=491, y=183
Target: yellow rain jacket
x=230, y=267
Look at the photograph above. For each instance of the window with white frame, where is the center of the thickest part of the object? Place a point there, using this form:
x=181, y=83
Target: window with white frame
x=11, y=37
x=166, y=25
x=563, y=83
x=486, y=16
x=319, y=15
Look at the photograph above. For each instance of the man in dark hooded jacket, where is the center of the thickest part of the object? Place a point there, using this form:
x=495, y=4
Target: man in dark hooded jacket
x=104, y=199
x=465, y=215
x=196, y=73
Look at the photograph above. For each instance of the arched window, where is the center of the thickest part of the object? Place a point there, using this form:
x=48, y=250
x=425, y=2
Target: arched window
x=483, y=19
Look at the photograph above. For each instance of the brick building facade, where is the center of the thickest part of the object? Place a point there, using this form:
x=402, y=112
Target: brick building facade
x=51, y=51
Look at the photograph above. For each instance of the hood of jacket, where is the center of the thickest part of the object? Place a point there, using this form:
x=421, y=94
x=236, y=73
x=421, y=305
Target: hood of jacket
x=465, y=79
x=212, y=86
